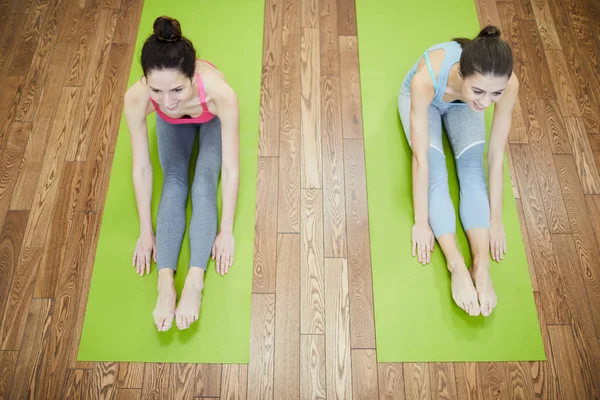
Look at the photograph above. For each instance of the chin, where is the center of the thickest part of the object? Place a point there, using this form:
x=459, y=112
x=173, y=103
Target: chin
x=475, y=108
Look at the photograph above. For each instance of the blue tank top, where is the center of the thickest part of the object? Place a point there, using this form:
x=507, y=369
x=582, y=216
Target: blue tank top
x=453, y=50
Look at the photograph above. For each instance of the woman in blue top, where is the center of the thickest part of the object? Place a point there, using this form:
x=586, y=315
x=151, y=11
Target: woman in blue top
x=454, y=82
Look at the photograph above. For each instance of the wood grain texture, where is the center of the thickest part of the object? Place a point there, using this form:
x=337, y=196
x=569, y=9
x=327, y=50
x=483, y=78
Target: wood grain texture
x=91, y=88
x=77, y=384
x=391, y=381
x=11, y=161
x=63, y=213
x=467, y=384
x=46, y=189
x=10, y=93
x=19, y=299
x=30, y=38
x=563, y=83
x=128, y=22
x=329, y=41
x=583, y=232
x=157, y=381
x=593, y=203
x=541, y=153
x=536, y=59
x=13, y=27
x=265, y=229
x=182, y=377
x=416, y=381
x=262, y=347
x=208, y=380
x=518, y=129
x=551, y=122
x=311, y=166
x=25, y=382
x=128, y=394
x=350, y=96
x=337, y=338
x=8, y=364
x=520, y=385
x=287, y=319
x=272, y=33
x=545, y=25
x=11, y=239
x=362, y=320
x=513, y=178
x=312, y=289
x=313, y=381
x=270, y=93
x=442, y=381
x=346, y=17
x=364, y=374
x=545, y=384
x=105, y=125
x=334, y=207
x=288, y=204
x=131, y=375
x=234, y=382
x=546, y=268
x=310, y=13
x=583, y=331
x=492, y=380
x=582, y=153
x=66, y=305
x=104, y=380
x=566, y=362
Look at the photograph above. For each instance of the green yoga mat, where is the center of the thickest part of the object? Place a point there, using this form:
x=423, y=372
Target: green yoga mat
x=118, y=322
x=416, y=318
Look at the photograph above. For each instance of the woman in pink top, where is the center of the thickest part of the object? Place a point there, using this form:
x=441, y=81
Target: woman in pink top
x=191, y=99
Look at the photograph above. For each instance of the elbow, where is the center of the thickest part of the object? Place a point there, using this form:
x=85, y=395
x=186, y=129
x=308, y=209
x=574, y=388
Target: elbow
x=419, y=159
x=142, y=172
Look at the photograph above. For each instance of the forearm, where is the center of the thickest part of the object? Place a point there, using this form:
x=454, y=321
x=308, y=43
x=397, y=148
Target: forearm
x=229, y=188
x=420, y=180
x=496, y=182
x=142, y=183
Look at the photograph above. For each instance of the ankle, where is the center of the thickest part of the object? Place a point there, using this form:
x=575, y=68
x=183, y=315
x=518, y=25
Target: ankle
x=480, y=265
x=456, y=264
x=165, y=278
x=195, y=275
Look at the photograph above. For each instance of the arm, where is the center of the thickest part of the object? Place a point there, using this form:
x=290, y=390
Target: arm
x=498, y=138
x=421, y=94
x=228, y=112
x=135, y=106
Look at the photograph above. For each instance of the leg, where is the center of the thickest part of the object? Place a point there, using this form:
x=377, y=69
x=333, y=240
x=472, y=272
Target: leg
x=174, y=151
x=441, y=211
x=203, y=226
x=466, y=129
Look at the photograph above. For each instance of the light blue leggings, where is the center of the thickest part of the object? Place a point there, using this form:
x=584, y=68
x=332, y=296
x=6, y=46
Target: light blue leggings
x=466, y=133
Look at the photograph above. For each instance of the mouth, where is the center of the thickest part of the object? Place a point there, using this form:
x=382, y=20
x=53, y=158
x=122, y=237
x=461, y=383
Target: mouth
x=173, y=107
x=477, y=107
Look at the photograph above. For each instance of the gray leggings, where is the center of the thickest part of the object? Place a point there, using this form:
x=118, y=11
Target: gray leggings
x=466, y=132
x=175, y=143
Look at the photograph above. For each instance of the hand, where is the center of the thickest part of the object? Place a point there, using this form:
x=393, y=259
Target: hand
x=422, y=242
x=145, y=252
x=497, y=240
x=222, y=252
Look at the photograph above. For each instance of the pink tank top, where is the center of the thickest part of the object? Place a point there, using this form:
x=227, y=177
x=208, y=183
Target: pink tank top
x=202, y=118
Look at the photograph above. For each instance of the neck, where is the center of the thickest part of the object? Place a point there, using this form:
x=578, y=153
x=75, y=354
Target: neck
x=455, y=83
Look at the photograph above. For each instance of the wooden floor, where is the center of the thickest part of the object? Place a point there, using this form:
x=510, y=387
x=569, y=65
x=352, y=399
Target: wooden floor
x=63, y=70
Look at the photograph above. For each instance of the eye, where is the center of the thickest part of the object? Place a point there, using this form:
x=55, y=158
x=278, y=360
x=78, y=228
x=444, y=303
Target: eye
x=177, y=90
x=497, y=93
x=155, y=91
x=477, y=91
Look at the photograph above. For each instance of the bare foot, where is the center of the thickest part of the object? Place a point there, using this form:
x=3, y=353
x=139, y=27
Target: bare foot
x=189, y=303
x=164, y=312
x=485, y=290
x=463, y=291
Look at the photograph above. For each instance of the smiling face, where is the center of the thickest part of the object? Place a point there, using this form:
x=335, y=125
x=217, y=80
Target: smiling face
x=169, y=88
x=480, y=91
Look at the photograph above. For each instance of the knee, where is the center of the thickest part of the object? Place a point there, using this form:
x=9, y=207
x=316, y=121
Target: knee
x=205, y=184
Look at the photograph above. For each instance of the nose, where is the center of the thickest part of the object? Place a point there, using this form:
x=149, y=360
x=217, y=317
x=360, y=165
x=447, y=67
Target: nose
x=485, y=102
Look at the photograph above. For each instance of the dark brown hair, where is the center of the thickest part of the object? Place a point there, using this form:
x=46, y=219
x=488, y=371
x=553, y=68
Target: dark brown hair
x=166, y=48
x=486, y=54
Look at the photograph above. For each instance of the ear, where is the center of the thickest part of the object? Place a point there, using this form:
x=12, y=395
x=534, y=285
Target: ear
x=459, y=73
x=143, y=80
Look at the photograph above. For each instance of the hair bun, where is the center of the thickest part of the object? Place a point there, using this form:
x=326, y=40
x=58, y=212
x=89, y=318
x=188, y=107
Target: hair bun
x=167, y=29
x=489, y=31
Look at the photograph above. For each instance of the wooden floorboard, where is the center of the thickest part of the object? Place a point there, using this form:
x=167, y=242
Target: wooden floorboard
x=63, y=71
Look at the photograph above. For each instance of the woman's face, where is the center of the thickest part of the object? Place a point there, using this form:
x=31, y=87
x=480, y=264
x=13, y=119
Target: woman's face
x=169, y=88
x=479, y=91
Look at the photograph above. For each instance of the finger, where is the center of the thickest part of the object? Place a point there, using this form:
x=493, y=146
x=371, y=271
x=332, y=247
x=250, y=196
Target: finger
x=432, y=242
x=149, y=264
x=133, y=259
x=214, y=251
x=230, y=261
x=418, y=252
x=414, y=248
x=505, y=247
x=222, y=263
x=421, y=253
x=493, y=250
x=154, y=252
